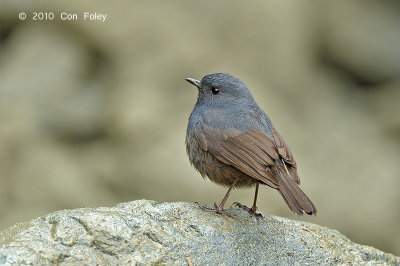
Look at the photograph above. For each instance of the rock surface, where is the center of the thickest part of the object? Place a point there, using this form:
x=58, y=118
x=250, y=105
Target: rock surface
x=147, y=232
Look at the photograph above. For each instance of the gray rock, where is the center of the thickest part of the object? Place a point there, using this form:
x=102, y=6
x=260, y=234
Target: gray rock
x=147, y=232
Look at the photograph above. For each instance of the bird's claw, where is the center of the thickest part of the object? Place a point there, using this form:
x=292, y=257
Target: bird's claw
x=249, y=210
x=216, y=209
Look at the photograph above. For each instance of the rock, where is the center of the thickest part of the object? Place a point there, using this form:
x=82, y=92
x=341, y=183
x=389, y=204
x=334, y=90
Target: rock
x=147, y=232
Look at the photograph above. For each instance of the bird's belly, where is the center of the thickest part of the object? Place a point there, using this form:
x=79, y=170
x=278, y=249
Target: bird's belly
x=210, y=167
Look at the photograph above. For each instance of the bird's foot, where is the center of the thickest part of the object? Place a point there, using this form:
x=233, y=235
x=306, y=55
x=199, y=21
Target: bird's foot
x=252, y=211
x=214, y=209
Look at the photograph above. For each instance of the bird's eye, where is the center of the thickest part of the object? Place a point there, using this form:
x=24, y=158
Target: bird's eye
x=214, y=90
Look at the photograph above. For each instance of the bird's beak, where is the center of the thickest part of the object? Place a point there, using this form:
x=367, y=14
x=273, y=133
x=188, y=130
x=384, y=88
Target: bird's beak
x=194, y=82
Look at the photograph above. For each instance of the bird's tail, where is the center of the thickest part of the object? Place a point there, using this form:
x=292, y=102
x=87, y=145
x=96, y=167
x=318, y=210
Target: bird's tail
x=294, y=197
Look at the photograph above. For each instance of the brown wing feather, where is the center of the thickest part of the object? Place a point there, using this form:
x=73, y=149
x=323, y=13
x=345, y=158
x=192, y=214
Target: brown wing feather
x=286, y=154
x=251, y=152
x=252, y=149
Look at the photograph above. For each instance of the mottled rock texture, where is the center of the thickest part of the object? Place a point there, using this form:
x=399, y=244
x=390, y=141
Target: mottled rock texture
x=147, y=232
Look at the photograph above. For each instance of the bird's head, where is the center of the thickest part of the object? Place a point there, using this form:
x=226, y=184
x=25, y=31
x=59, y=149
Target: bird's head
x=221, y=89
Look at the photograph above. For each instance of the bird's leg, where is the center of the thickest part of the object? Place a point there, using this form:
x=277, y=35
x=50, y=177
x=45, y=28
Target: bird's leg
x=253, y=209
x=219, y=209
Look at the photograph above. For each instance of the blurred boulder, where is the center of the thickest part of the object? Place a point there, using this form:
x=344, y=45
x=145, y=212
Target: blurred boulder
x=362, y=39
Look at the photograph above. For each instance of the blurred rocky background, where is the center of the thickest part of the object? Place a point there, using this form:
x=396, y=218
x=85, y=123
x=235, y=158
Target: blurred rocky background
x=95, y=113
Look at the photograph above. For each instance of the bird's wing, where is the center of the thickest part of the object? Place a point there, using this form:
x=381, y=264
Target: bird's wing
x=287, y=156
x=251, y=152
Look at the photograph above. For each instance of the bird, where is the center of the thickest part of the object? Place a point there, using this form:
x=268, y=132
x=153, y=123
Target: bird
x=231, y=141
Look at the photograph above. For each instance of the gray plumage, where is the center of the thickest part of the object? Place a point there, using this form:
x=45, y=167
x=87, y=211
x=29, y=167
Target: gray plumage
x=235, y=106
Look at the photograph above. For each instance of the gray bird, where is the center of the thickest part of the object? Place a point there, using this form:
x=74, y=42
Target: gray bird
x=232, y=141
